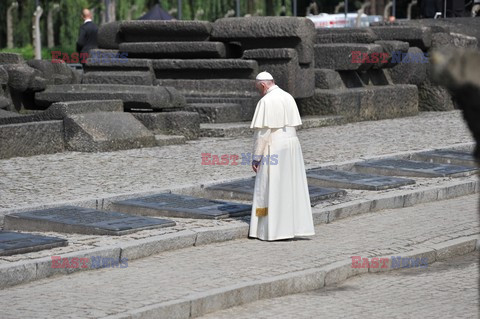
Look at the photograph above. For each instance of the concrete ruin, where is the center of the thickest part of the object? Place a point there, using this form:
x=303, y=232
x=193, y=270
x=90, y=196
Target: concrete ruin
x=181, y=80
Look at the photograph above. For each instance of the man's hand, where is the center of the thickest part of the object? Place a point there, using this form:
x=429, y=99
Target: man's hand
x=255, y=166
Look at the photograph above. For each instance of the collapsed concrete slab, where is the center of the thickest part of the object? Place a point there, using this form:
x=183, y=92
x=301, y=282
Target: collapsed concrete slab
x=328, y=79
x=458, y=25
x=133, y=97
x=268, y=32
x=28, y=139
x=3, y=76
x=118, y=77
x=60, y=110
x=372, y=77
x=54, y=73
x=20, y=76
x=217, y=112
x=108, y=60
x=205, y=69
x=457, y=40
x=169, y=50
x=284, y=66
x=102, y=70
x=391, y=48
x=156, y=30
x=346, y=56
x=344, y=35
x=247, y=102
x=409, y=73
x=176, y=123
x=416, y=36
x=108, y=36
x=367, y=103
x=188, y=87
x=11, y=58
x=4, y=103
x=105, y=131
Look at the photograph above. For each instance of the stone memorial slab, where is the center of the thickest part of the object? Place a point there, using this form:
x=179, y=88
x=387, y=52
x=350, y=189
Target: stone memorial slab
x=174, y=205
x=412, y=168
x=447, y=157
x=71, y=219
x=12, y=243
x=243, y=190
x=346, y=179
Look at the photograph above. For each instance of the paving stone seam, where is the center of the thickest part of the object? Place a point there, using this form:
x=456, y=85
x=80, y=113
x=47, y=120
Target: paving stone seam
x=199, y=304
x=21, y=272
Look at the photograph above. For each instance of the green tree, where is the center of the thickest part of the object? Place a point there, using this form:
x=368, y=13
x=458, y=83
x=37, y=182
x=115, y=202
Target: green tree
x=69, y=21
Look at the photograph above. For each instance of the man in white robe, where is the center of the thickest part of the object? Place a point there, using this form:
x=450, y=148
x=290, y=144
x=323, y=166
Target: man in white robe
x=281, y=202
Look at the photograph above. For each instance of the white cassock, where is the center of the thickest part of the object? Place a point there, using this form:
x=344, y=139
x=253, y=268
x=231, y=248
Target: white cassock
x=281, y=202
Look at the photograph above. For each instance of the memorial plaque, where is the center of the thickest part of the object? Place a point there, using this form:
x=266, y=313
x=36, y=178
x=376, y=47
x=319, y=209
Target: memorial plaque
x=243, y=190
x=346, y=179
x=12, y=243
x=174, y=205
x=71, y=219
x=412, y=168
x=447, y=157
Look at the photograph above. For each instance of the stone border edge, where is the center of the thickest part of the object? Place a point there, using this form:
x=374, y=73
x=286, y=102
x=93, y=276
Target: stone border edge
x=25, y=271
x=203, y=303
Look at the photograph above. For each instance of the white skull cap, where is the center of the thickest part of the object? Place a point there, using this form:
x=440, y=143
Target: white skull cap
x=264, y=76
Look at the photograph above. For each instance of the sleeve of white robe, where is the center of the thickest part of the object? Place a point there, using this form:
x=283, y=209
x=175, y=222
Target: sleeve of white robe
x=260, y=143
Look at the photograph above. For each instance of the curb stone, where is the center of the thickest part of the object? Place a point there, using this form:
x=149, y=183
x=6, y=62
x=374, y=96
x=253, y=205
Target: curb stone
x=297, y=282
x=187, y=238
x=199, y=190
x=401, y=199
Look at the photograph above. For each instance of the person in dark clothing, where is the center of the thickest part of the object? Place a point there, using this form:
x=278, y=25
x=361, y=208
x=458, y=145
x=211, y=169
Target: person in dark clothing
x=87, y=37
x=429, y=8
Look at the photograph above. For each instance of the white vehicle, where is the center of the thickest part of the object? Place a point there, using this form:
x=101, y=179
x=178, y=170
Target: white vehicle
x=338, y=20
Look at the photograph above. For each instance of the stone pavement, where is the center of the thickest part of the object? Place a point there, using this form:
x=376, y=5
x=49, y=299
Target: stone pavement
x=196, y=272
x=446, y=289
x=49, y=179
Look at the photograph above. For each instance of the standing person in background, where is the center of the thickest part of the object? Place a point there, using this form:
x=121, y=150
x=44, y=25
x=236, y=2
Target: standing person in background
x=281, y=202
x=87, y=37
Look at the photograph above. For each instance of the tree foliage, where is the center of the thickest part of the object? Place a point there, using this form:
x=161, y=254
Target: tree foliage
x=67, y=20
